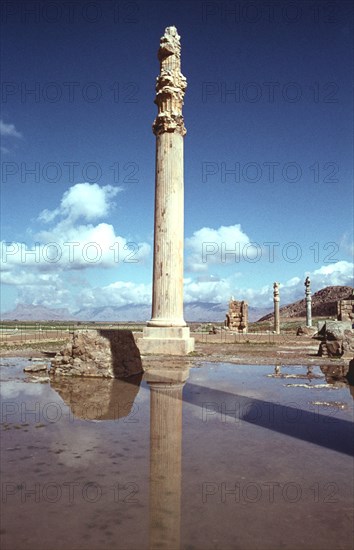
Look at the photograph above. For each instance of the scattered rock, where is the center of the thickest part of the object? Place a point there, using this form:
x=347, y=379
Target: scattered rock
x=39, y=367
x=304, y=330
x=334, y=404
x=313, y=386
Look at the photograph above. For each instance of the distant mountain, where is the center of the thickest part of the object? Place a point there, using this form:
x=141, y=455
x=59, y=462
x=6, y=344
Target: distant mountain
x=29, y=312
x=324, y=303
x=208, y=312
x=132, y=312
x=197, y=312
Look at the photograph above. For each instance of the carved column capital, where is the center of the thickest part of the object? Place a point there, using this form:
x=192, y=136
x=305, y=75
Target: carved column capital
x=307, y=284
x=170, y=85
x=276, y=292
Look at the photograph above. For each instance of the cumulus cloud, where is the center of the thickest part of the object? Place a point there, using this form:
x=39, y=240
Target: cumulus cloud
x=9, y=130
x=207, y=291
x=69, y=243
x=209, y=246
x=119, y=293
x=51, y=290
x=339, y=273
x=88, y=201
x=73, y=238
x=219, y=291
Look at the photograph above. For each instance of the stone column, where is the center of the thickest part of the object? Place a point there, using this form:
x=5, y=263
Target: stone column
x=165, y=458
x=308, y=302
x=166, y=332
x=276, y=308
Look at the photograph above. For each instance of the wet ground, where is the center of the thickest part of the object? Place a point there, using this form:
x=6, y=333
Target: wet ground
x=253, y=457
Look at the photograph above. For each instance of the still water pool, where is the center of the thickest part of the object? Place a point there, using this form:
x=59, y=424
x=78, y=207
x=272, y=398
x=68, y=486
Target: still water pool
x=218, y=457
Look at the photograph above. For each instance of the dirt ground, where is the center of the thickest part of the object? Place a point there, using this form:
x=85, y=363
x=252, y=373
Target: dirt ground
x=248, y=349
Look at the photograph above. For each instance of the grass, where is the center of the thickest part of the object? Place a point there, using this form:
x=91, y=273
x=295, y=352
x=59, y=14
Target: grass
x=33, y=345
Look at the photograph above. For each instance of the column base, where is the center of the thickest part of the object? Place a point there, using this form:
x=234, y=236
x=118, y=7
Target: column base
x=165, y=341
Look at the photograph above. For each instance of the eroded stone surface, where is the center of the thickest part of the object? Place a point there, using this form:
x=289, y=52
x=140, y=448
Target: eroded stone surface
x=305, y=330
x=338, y=340
x=37, y=367
x=345, y=309
x=106, y=353
x=170, y=85
x=237, y=316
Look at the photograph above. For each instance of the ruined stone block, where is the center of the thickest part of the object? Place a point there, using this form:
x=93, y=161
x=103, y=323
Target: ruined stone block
x=105, y=353
x=237, y=316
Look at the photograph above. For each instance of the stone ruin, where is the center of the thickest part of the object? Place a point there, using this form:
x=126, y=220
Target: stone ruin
x=104, y=353
x=237, y=316
x=345, y=309
x=337, y=339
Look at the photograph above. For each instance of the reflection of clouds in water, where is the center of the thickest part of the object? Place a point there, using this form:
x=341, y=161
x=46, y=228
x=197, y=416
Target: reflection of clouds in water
x=13, y=388
x=75, y=443
x=83, y=402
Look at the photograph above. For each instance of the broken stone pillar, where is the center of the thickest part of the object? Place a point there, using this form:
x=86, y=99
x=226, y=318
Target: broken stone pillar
x=345, y=309
x=276, y=300
x=237, y=316
x=166, y=332
x=308, y=302
x=165, y=457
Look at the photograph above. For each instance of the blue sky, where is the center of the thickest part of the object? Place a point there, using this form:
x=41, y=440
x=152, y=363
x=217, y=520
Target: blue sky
x=268, y=153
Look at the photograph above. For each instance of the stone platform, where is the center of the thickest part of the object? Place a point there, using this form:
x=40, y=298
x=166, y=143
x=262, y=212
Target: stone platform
x=165, y=341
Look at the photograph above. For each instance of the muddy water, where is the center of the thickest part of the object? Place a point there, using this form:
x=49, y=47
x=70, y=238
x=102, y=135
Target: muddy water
x=253, y=457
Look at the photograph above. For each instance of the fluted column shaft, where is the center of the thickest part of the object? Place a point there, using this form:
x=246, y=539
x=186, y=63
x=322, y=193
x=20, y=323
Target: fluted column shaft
x=167, y=298
x=276, y=300
x=308, y=302
x=167, y=333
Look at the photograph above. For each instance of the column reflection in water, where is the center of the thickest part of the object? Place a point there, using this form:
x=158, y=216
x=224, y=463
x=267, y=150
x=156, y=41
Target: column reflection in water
x=166, y=389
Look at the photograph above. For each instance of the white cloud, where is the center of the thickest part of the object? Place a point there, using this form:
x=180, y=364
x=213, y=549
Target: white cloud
x=72, y=241
x=207, y=291
x=339, y=273
x=50, y=289
x=69, y=245
x=217, y=246
x=119, y=293
x=9, y=130
x=83, y=200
